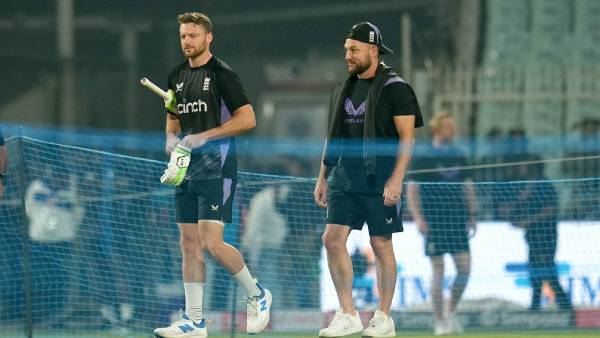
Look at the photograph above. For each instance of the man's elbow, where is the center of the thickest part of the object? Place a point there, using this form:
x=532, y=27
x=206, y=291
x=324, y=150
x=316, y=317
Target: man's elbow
x=246, y=118
x=250, y=123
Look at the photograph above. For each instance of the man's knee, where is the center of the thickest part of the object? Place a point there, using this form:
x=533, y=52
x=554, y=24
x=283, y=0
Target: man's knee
x=193, y=253
x=437, y=267
x=463, y=264
x=213, y=247
x=382, y=246
x=462, y=278
x=333, y=243
x=464, y=270
x=190, y=245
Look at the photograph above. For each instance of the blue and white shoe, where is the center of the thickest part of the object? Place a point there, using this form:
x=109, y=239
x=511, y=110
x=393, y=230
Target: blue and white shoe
x=183, y=328
x=258, y=311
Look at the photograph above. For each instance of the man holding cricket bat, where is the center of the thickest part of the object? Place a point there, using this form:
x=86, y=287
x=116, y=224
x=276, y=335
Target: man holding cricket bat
x=206, y=107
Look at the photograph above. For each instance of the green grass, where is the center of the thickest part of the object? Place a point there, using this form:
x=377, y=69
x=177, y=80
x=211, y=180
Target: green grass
x=402, y=334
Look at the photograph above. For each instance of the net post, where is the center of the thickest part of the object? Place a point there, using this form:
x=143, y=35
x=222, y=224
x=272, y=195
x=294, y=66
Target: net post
x=26, y=254
x=233, y=329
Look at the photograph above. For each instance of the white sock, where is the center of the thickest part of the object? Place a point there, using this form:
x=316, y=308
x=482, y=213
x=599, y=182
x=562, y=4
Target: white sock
x=244, y=278
x=193, y=300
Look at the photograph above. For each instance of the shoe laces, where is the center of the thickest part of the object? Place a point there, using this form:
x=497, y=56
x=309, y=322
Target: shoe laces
x=251, y=305
x=181, y=321
x=184, y=319
x=341, y=320
x=377, y=320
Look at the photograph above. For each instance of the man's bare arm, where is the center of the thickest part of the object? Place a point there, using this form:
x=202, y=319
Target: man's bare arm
x=413, y=194
x=3, y=159
x=242, y=121
x=172, y=130
x=3, y=166
x=471, y=197
x=320, y=193
x=406, y=130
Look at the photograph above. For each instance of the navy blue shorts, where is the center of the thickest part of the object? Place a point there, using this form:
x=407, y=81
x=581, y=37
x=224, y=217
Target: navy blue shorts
x=448, y=240
x=199, y=200
x=354, y=209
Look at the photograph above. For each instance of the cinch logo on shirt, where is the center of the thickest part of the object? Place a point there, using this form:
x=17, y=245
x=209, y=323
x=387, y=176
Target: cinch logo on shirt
x=192, y=107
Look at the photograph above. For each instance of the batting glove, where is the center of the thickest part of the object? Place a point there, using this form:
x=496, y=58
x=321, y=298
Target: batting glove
x=177, y=167
x=171, y=102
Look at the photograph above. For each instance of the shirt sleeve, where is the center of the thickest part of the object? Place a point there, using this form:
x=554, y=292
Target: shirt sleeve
x=400, y=98
x=402, y=101
x=1, y=139
x=231, y=90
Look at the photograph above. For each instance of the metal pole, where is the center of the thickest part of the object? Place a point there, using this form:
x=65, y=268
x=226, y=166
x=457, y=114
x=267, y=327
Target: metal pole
x=66, y=51
x=129, y=51
x=233, y=329
x=406, y=47
x=22, y=181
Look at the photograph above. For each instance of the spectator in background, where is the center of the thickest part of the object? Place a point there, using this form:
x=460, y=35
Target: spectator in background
x=263, y=218
x=516, y=152
x=493, y=150
x=587, y=143
x=493, y=154
x=3, y=164
x=301, y=274
x=445, y=214
x=55, y=213
x=535, y=209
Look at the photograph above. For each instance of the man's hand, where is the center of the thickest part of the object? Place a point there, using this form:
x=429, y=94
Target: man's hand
x=392, y=191
x=422, y=227
x=194, y=141
x=177, y=167
x=321, y=193
x=171, y=102
x=472, y=226
x=172, y=142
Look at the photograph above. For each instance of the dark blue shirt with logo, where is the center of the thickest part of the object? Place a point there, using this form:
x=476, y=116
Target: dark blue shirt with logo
x=442, y=193
x=397, y=99
x=206, y=98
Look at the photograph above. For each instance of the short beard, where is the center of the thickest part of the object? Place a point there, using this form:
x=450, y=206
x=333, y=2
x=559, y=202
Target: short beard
x=198, y=52
x=360, y=68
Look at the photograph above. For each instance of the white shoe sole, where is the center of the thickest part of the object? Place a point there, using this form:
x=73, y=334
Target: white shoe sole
x=391, y=334
x=346, y=335
x=181, y=336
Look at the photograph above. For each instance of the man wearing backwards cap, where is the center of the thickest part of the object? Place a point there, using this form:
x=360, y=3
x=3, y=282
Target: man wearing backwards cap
x=372, y=118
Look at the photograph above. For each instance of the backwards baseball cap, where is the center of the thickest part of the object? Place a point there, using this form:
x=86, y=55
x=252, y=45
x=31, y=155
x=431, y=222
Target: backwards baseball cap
x=368, y=33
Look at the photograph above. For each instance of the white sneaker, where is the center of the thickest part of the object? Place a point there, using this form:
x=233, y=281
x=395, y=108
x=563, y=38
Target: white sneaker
x=183, y=328
x=453, y=325
x=381, y=325
x=440, y=328
x=341, y=325
x=258, y=311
